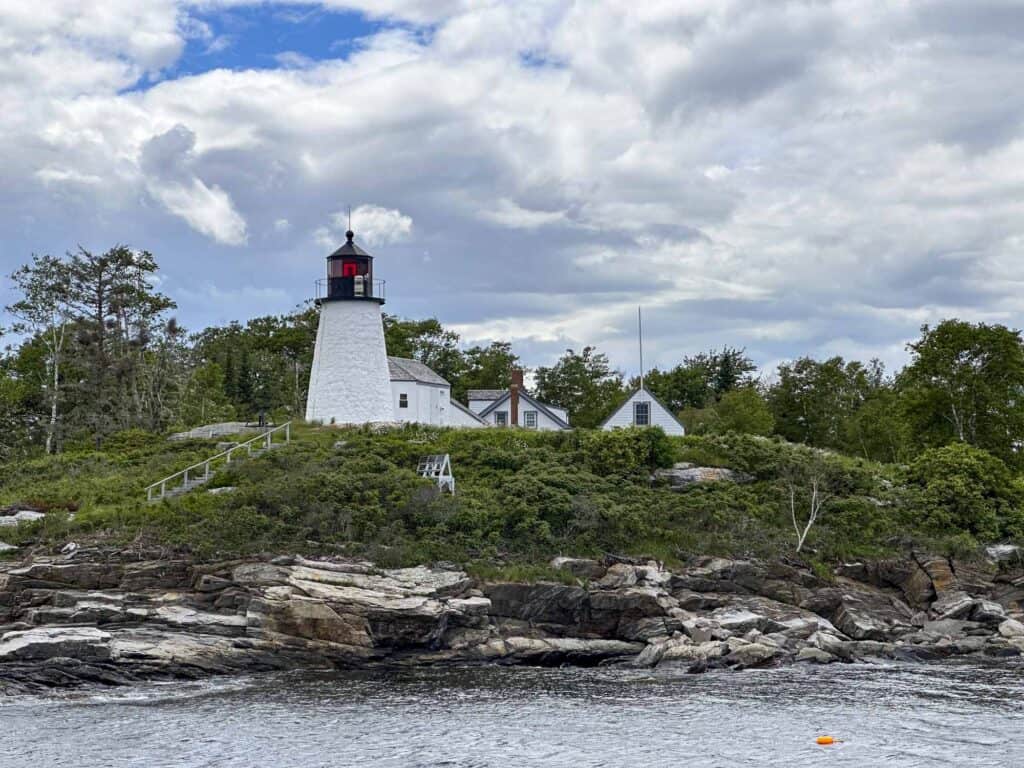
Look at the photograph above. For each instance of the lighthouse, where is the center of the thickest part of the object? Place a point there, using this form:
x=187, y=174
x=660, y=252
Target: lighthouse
x=350, y=382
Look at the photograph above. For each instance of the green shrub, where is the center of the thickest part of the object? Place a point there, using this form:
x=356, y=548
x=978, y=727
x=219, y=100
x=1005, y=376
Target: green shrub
x=962, y=489
x=626, y=452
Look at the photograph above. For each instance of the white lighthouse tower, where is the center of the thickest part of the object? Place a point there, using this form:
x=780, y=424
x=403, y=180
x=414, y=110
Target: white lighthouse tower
x=350, y=383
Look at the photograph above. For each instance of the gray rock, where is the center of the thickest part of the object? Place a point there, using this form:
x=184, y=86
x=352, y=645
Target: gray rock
x=681, y=477
x=968, y=645
x=853, y=619
x=871, y=649
x=952, y=628
x=21, y=516
x=987, y=612
x=751, y=655
x=832, y=645
x=815, y=655
x=579, y=567
x=86, y=643
x=220, y=491
x=1011, y=628
x=953, y=605
x=1004, y=552
x=618, y=576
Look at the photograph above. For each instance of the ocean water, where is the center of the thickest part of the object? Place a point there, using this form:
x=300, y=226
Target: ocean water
x=963, y=714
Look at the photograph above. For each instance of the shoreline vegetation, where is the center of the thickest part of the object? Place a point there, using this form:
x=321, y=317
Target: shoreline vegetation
x=524, y=498
x=822, y=467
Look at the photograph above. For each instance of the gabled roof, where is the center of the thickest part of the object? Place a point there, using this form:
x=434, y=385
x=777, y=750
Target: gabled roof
x=542, y=407
x=469, y=413
x=647, y=392
x=485, y=394
x=404, y=369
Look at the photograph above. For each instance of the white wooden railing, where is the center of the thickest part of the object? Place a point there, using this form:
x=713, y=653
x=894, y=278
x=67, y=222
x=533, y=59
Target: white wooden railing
x=199, y=473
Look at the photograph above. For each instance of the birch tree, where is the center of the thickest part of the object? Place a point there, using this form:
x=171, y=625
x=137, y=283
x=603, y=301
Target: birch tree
x=44, y=311
x=808, y=490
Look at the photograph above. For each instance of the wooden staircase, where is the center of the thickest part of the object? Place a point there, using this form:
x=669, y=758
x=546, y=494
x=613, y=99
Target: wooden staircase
x=201, y=473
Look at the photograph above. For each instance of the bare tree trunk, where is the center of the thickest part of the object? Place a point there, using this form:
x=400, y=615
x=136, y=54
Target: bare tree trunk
x=817, y=501
x=56, y=346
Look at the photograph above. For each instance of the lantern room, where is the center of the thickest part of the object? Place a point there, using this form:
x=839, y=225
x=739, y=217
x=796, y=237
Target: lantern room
x=350, y=275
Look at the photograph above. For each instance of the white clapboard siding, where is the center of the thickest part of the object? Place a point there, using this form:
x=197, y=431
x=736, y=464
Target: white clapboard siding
x=660, y=416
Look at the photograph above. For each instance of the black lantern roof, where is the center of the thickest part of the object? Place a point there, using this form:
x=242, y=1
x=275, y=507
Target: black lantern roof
x=349, y=248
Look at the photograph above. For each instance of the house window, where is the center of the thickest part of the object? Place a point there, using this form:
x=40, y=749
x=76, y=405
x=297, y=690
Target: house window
x=403, y=400
x=530, y=419
x=641, y=414
x=501, y=418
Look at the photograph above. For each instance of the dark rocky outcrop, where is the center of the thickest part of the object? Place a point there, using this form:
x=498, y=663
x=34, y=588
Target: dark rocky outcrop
x=108, y=618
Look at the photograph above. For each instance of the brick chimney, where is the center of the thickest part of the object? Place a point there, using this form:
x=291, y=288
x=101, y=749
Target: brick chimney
x=514, y=390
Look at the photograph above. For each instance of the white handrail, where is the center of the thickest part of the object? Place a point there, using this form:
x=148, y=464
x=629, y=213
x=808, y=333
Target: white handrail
x=267, y=437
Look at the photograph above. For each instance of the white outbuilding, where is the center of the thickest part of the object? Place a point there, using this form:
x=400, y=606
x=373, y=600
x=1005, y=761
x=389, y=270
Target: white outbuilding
x=642, y=409
x=421, y=396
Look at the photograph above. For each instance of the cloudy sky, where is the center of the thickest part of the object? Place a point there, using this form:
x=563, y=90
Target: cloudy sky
x=816, y=177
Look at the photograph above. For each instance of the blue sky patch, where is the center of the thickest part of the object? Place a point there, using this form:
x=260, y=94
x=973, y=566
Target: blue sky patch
x=270, y=36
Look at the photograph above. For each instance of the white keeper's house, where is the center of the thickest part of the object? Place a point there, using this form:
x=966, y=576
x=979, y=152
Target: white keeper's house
x=514, y=407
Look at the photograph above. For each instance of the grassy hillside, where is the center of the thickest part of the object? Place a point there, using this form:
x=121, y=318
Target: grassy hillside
x=523, y=497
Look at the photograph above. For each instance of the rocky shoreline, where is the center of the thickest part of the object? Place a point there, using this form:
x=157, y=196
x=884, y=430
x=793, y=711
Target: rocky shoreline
x=110, y=618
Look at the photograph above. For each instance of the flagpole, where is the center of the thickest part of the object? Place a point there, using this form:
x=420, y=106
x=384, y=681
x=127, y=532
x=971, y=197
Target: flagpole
x=640, y=332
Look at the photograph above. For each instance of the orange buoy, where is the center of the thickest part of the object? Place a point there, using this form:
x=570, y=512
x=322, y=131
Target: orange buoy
x=823, y=740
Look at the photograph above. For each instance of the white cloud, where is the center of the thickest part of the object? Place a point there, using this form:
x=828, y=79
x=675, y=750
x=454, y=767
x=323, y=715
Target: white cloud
x=167, y=161
x=206, y=209
x=796, y=177
x=508, y=213
x=375, y=225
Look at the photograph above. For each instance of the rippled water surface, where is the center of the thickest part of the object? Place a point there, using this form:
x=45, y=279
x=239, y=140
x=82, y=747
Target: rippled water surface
x=922, y=715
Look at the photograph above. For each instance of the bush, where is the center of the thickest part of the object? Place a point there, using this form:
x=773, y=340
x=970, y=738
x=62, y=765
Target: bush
x=523, y=497
x=963, y=489
x=626, y=452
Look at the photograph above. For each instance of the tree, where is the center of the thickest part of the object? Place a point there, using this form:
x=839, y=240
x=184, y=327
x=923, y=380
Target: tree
x=426, y=341
x=44, y=312
x=700, y=380
x=877, y=430
x=808, y=489
x=118, y=313
x=813, y=401
x=965, y=384
x=487, y=367
x=582, y=383
x=966, y=489
x=679, y=388
x=204, y=400
x=743, y=410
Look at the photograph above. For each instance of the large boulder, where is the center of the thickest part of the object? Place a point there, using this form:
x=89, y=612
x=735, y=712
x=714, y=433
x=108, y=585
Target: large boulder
x=953, y=604
x=987, y=612
x=683, y=475
x=751, y=655
x=941, y=574
x=579, y=567
x=301, y=618
x=85, y=643
x=554, y=606
x=1011, y=628
x=854, y=619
